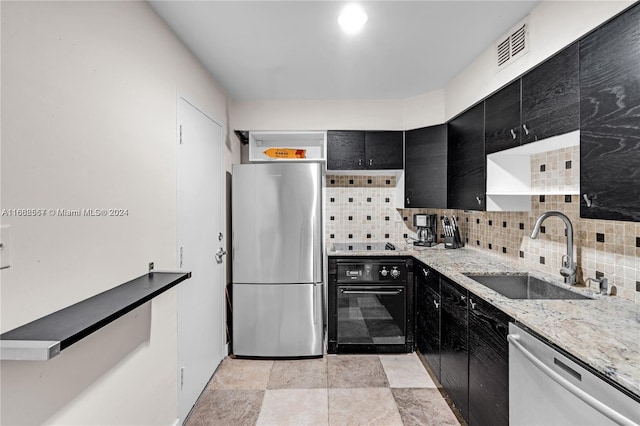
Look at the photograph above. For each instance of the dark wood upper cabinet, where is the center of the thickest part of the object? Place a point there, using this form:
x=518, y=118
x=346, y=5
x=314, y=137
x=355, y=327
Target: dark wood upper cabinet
x=345, y=150
x=383, y=150
x=488, y=364
x=466, y=161
x=361, y=150
x=551, y=97
x=502, y=119
x=545, y=102
x=610, y=120
x=425, y=167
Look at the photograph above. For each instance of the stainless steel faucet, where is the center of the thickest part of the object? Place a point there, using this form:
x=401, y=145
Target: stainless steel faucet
x=568, y=270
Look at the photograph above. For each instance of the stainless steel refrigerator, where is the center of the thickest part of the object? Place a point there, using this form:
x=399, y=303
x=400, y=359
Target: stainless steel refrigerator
x=277, y=260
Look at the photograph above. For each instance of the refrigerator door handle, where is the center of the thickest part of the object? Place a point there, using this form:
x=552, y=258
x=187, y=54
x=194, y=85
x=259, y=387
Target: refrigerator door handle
x=314, y=251
x=315, y=301
x=313, y=255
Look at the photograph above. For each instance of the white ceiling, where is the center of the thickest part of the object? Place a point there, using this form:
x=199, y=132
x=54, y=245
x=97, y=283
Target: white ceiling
x=266, y=50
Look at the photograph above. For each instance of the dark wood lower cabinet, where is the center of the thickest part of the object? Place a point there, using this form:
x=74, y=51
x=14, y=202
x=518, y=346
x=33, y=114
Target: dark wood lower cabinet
x=463, y=340
x=488, y=364
x=428, y=316
x=454, y=350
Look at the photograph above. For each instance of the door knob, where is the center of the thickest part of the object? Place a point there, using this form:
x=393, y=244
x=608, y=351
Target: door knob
x=219, y=255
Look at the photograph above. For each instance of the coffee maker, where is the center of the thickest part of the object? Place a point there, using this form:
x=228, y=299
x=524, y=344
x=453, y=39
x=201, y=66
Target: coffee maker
x=427, y=229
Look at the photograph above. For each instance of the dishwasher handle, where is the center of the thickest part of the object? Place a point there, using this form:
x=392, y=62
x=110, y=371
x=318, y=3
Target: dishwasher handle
x=591, y=401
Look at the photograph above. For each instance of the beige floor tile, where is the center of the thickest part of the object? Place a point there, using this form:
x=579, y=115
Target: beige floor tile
x=241, y=374
x=423, y=407
x=227, y=407
x=406, y=371
x=299, y=374
x=356, y=371
x=295, y=407
x=293, y=392
x=363, y=406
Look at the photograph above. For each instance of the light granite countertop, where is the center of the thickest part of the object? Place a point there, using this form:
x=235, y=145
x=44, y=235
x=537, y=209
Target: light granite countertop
x=604, y=333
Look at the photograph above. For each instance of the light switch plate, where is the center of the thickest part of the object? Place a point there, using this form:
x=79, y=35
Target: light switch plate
x=5, y=249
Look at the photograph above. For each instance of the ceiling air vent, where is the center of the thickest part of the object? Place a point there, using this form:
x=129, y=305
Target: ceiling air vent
x=514, y=44
x=504, y=51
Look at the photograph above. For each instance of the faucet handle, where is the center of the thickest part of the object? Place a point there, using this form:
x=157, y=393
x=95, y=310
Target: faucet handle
x=603, y=284
x=567, y=262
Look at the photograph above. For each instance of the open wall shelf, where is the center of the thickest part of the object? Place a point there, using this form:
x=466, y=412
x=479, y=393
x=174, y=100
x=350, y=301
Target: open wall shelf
x=44, y=338
x=314, y=144
x=509, y=182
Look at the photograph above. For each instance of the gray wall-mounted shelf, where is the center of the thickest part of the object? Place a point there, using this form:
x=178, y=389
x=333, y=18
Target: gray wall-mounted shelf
x=44, y=338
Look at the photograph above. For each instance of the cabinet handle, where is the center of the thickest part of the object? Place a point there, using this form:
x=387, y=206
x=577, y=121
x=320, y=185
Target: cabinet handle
x=436, y=304
x=370, y=162
x=463, y=298
x=425, y=272
x=513, y=134
x=479, y=200
x=359, y=161
x=472, y=303
x=588, y=199
x=408, y=200
x=526, y=131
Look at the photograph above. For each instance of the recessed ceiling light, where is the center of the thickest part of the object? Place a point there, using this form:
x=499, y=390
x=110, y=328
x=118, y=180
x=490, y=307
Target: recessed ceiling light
x=352, y=19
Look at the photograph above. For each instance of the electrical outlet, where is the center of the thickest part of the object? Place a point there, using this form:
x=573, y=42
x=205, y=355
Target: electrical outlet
x=5, y=246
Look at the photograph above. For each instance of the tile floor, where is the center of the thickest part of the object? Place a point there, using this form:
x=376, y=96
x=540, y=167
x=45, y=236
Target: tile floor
x=333, y=390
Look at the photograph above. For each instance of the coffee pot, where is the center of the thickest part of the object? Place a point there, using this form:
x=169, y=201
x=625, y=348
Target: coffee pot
x=427, y=229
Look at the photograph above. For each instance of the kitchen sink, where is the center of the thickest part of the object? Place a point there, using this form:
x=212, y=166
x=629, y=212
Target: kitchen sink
x=525, y=286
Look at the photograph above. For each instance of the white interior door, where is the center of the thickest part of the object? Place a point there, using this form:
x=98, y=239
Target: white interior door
x=200, y=227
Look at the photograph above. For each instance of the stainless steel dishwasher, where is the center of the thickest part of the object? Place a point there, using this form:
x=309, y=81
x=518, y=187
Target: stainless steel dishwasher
x=548, y=388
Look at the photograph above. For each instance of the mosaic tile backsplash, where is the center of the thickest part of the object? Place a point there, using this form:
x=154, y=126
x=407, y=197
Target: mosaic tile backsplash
x=362, y=209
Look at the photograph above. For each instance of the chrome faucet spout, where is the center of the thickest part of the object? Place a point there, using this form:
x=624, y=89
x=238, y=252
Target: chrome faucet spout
x=568, y=270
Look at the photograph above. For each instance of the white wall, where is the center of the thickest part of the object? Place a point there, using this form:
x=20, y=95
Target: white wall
x=89, y=115
x=553, y=25
x=394, y=114
x=317, y=115
x=423, y=110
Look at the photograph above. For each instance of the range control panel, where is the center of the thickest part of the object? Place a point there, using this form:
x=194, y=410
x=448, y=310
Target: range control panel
x=372, y=272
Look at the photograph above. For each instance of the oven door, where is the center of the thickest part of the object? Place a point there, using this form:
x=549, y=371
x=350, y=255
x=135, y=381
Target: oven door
x=371, y=314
